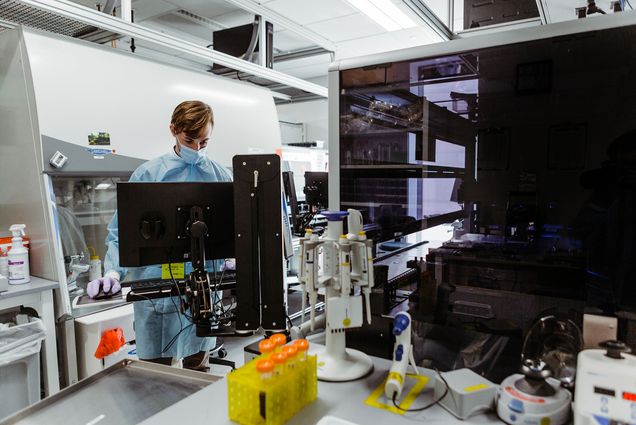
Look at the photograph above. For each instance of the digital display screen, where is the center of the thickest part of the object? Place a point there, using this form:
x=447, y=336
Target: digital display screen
x=629, y=396
x=604, y=391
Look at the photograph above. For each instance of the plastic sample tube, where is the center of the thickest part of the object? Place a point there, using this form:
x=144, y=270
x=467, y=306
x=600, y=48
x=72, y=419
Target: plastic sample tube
x=266, y=347
x=279, y=363
x=292, y=355
x=279, y=340
x=302, y=345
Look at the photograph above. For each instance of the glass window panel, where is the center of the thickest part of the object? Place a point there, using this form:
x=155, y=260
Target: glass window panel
x=85, y=206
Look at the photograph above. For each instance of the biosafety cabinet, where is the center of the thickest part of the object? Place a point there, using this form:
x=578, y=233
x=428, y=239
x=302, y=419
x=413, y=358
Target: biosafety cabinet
x=75, y=119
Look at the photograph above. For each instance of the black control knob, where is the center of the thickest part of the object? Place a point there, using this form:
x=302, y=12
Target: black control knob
x=615, y=349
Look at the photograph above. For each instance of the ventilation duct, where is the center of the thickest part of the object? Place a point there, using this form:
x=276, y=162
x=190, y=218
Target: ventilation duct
x=13, y=12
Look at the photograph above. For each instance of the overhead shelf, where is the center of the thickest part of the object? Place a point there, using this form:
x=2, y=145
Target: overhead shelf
x=364, y=115
x=401, y=171
x=74, y=20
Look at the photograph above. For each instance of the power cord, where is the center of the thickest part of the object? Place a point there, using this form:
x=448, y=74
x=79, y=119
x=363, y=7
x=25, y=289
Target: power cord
x=176, y=284
x=428, y=406
x=174, y=338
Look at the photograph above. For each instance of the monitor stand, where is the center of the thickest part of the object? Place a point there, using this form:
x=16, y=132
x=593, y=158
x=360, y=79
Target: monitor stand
x=258, y=251
x=199, y=292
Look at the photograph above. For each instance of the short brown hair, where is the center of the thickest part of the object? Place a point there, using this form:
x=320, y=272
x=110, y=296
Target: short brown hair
x=191, y=117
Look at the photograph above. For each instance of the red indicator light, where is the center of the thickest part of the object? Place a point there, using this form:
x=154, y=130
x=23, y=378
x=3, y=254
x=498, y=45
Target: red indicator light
x=629, y=396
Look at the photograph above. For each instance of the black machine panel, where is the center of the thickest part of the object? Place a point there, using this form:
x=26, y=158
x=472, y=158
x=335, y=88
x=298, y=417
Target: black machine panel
x=258, y=221
x=532, y=146
x=158, y=230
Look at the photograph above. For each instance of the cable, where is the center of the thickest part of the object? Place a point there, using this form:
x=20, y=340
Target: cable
x=174, y=339
x=238, y=77
x=174, y=282
x=216, y=299
x=428, y=406
x=181, y=328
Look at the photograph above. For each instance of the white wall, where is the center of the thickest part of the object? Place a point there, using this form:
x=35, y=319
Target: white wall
x=313, y=114
x=81, y=88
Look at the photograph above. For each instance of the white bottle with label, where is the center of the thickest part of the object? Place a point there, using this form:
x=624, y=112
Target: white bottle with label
x=95, y=271
x=18, y=257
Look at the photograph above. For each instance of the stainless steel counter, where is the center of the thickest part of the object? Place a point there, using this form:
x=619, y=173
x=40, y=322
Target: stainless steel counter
x=126, y=393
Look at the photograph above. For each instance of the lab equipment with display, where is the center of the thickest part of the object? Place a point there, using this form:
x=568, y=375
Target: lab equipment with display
x=196, y=222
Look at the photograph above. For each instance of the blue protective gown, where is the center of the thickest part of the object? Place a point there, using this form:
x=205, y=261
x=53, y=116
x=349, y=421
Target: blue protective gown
x=157, y=322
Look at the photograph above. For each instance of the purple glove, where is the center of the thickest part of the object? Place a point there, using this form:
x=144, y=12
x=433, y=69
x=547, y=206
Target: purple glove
x=108, y=284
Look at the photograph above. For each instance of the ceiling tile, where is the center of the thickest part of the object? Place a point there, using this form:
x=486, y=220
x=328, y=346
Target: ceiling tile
x=305, y=12
x=347, y=27
x=387, y=42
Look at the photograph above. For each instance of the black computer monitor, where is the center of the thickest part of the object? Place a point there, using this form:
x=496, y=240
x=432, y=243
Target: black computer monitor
x=317, y=189
x=154, y=217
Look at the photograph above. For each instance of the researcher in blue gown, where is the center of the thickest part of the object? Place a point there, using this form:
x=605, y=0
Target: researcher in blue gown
x=162, y=333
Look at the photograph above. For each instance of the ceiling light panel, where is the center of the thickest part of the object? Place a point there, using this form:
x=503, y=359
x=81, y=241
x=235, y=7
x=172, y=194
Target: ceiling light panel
x=377, y=15
x=385, y=13
x=395, y=13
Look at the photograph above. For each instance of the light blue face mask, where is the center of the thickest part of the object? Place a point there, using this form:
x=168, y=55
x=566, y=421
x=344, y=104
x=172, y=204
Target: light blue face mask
x=191, y=156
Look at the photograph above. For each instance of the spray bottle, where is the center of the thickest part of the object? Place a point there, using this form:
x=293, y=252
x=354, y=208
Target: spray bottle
x=18, y=257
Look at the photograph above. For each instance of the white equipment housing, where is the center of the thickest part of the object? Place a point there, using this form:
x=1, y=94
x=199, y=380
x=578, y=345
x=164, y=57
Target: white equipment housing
x=605, y=389
x=515, y=407
x=55, y=91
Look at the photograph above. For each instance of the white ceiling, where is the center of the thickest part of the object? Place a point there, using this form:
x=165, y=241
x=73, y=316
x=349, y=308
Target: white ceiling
x=351, y=31
x=335, y=20
x=310, y=12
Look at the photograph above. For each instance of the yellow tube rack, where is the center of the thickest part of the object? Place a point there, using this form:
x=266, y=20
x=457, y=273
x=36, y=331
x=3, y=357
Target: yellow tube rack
x=251, y=401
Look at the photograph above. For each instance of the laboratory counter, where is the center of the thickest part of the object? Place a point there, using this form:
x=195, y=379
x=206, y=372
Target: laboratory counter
x=341, y=400
x=36, y=285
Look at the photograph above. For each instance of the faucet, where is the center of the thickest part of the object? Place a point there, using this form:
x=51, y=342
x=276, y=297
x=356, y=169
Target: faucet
x=77, y=267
